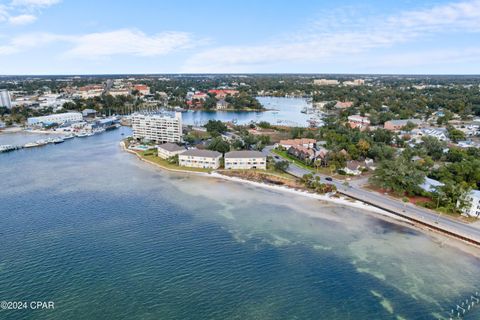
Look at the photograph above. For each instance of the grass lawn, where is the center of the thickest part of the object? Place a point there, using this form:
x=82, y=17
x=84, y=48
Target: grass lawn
x=269, y=171
x=165, y=164
x=320, y=170
x=288, y=157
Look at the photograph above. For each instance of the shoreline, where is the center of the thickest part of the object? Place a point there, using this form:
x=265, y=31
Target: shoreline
x=439, y=238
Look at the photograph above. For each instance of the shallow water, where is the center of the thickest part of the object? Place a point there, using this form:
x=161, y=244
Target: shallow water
x=106, y=236
x=282, y=111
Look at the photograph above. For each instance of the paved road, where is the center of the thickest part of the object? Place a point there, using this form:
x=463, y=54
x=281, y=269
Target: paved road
x=407, y=210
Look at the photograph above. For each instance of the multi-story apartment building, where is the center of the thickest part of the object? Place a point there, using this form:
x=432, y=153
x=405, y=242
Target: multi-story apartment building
x=168, y=150
x=196, y=158
x=245, y=160
x=158, y=127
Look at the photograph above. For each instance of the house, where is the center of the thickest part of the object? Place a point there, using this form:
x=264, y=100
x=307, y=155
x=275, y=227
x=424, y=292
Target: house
x=343, y=105
x=223, y=93
x=307, y=143
x=439, y=133
x=353, y=167
x=245, y=160
x=394, y=125
x=370, y=164
x=168, y=150
x=473, y=207
x=321, y=153
x=222, y=104
x=199, y=96
x=300, y=152
x=196, y=158
x=357, y=121
x=430, y=185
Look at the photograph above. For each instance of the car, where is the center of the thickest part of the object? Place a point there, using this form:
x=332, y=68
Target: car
x=328, y=179
x=276, y=157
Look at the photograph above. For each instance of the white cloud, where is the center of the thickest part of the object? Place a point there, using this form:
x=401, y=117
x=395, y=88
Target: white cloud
x=22, y=12
x=34, y=3
x=443, y=57
x=105, y=44
x=317, y=44
x=3, y=13
x=128, y=42
x=22, y=19
x=29, y=41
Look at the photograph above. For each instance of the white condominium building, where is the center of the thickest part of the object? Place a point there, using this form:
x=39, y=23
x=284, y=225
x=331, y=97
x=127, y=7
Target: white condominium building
x=5, y=100
x=245, y=160
x=158, y=127
x=56, y=118
x=196, y=158
x=168, y=150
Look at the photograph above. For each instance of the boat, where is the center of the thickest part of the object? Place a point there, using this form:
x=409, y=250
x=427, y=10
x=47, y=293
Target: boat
x=82, y=135
x=41, y=142
x=8, y=147
x=70, y=136
x=31, y=145
x=58, y=140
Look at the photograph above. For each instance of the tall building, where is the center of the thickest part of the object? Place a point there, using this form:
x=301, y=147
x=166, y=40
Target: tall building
x=158, y=127
x=5, y=100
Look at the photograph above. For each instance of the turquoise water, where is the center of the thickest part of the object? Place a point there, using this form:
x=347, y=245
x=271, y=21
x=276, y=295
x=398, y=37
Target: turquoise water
x=106, y=236
x=283, y=111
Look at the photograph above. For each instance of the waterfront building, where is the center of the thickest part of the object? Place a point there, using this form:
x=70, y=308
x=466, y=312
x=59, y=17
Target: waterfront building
x=223, y=93
x=168, y=150
x=394, y=125
x=196, y=158
x=89, y=113
x=222, y=104
x=58, y=118
x=245, y=160
x=473, y=207
x=5, y=100
x=158, y=127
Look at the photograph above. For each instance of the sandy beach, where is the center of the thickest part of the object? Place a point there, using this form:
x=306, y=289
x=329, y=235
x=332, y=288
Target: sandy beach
x=323, y=197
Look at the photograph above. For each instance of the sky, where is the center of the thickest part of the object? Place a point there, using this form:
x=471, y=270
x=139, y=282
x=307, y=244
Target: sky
x=270, y=36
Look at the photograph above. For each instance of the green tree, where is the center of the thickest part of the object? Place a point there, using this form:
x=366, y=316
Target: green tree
x=220, y=145
x=281, y=165
x=455, y=135
x=215, y=127
x=399, y=175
